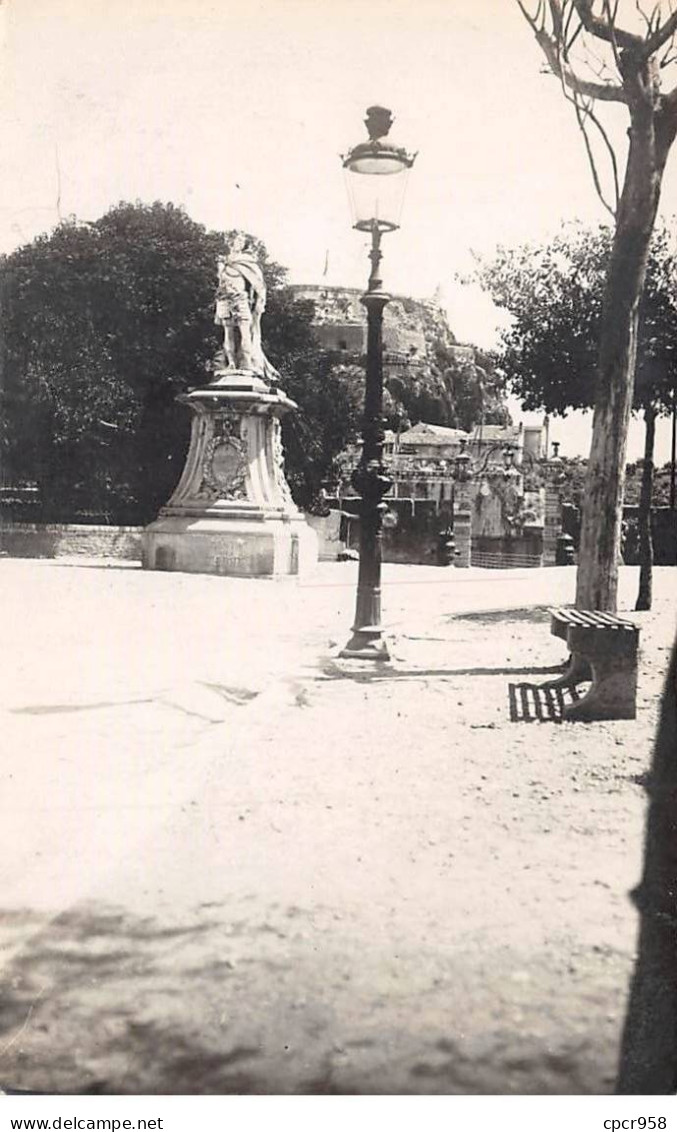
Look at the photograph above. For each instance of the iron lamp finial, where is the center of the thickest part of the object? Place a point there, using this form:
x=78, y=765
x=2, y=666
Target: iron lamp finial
x=378, y=122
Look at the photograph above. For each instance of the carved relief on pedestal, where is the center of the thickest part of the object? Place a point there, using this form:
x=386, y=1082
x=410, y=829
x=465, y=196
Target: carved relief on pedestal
x=225, y=462
x=279, y=477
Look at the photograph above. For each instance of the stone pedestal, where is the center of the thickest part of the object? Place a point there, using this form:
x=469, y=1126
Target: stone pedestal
x=462, y=538
x=232, y=512
x=552, y=525
x=464, y=502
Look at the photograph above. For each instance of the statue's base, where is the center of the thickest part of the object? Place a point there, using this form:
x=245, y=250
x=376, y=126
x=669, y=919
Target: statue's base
x=232, y=512
x=237, y=380
x=268, y=546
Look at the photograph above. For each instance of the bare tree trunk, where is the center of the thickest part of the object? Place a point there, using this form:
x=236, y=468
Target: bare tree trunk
x=644, y=514
x=673, y=447
x=597, y=577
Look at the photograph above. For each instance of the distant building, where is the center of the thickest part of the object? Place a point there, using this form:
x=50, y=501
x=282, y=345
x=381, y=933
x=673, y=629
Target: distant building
x=437, y=442
x=340, y=323
x=536, y=441
x=489, y=444
x=429, y=441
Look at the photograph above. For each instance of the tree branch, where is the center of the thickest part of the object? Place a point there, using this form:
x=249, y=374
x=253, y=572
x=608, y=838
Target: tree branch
x=591, y=161
x=557, y=17
x=606, y=92
x=583, y=112
x=660, y=36
x=611, y=21
x=648, y=20
x=535, y=22
x=566, y=37
x=603, y=29
x=612, y=156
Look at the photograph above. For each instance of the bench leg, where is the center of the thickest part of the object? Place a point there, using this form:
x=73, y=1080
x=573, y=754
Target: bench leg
x=577, y=670
x=612, y=694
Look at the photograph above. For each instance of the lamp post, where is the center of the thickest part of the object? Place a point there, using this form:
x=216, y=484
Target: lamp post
x=376, y=175
x=465, y=467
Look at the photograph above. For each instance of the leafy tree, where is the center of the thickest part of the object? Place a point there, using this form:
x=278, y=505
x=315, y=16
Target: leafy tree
x=548, y=356
x=105, y=324
x=604, y=52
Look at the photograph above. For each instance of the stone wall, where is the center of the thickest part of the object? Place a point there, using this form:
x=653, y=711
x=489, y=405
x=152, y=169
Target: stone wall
x=65, y=540
x=351, y=337
x=340, y=322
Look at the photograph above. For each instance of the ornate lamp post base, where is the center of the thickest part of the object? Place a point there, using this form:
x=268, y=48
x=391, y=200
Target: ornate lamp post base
x=232, y=512
x=366, y=643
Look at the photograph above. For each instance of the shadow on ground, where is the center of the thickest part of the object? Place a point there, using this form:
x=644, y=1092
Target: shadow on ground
x=75, y=1000
x=648, y=1062
x=537, y=703
x=97, y=1001
x=535, y=615
x=334, y=670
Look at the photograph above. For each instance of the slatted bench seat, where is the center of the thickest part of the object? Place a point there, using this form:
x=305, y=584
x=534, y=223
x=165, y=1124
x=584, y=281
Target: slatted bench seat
x=603, y=648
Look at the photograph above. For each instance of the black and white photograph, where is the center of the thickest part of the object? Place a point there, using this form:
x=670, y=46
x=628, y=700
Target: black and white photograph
x=338, y=553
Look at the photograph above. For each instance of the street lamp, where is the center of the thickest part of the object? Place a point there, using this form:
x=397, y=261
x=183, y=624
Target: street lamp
x=376, y=176
x=465, y=468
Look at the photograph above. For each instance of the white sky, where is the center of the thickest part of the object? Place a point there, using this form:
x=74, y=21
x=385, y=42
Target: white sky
x=239, y=110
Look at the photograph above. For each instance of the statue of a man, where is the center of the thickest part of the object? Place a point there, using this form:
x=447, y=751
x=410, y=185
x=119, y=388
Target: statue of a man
x=240, y=302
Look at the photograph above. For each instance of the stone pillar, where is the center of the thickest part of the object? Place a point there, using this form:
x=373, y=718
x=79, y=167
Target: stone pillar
x=462, y=538
x=232, y=512
x=464, y=501
x=552, y=524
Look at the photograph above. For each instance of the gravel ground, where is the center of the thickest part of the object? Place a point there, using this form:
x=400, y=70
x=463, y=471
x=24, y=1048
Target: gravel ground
x=233, y=863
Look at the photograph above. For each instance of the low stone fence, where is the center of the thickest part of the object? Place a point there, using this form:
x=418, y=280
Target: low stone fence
x=518, y=553
x=65, y=540
x=496, y=560
x=410, y=528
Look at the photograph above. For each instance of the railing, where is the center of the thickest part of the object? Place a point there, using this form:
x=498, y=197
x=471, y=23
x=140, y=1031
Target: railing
x=496, y=560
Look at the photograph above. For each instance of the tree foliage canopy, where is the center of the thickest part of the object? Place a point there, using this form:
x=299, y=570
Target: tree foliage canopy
x=548, y=355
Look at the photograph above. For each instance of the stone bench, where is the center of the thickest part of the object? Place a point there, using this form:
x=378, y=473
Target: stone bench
x=603, y=648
